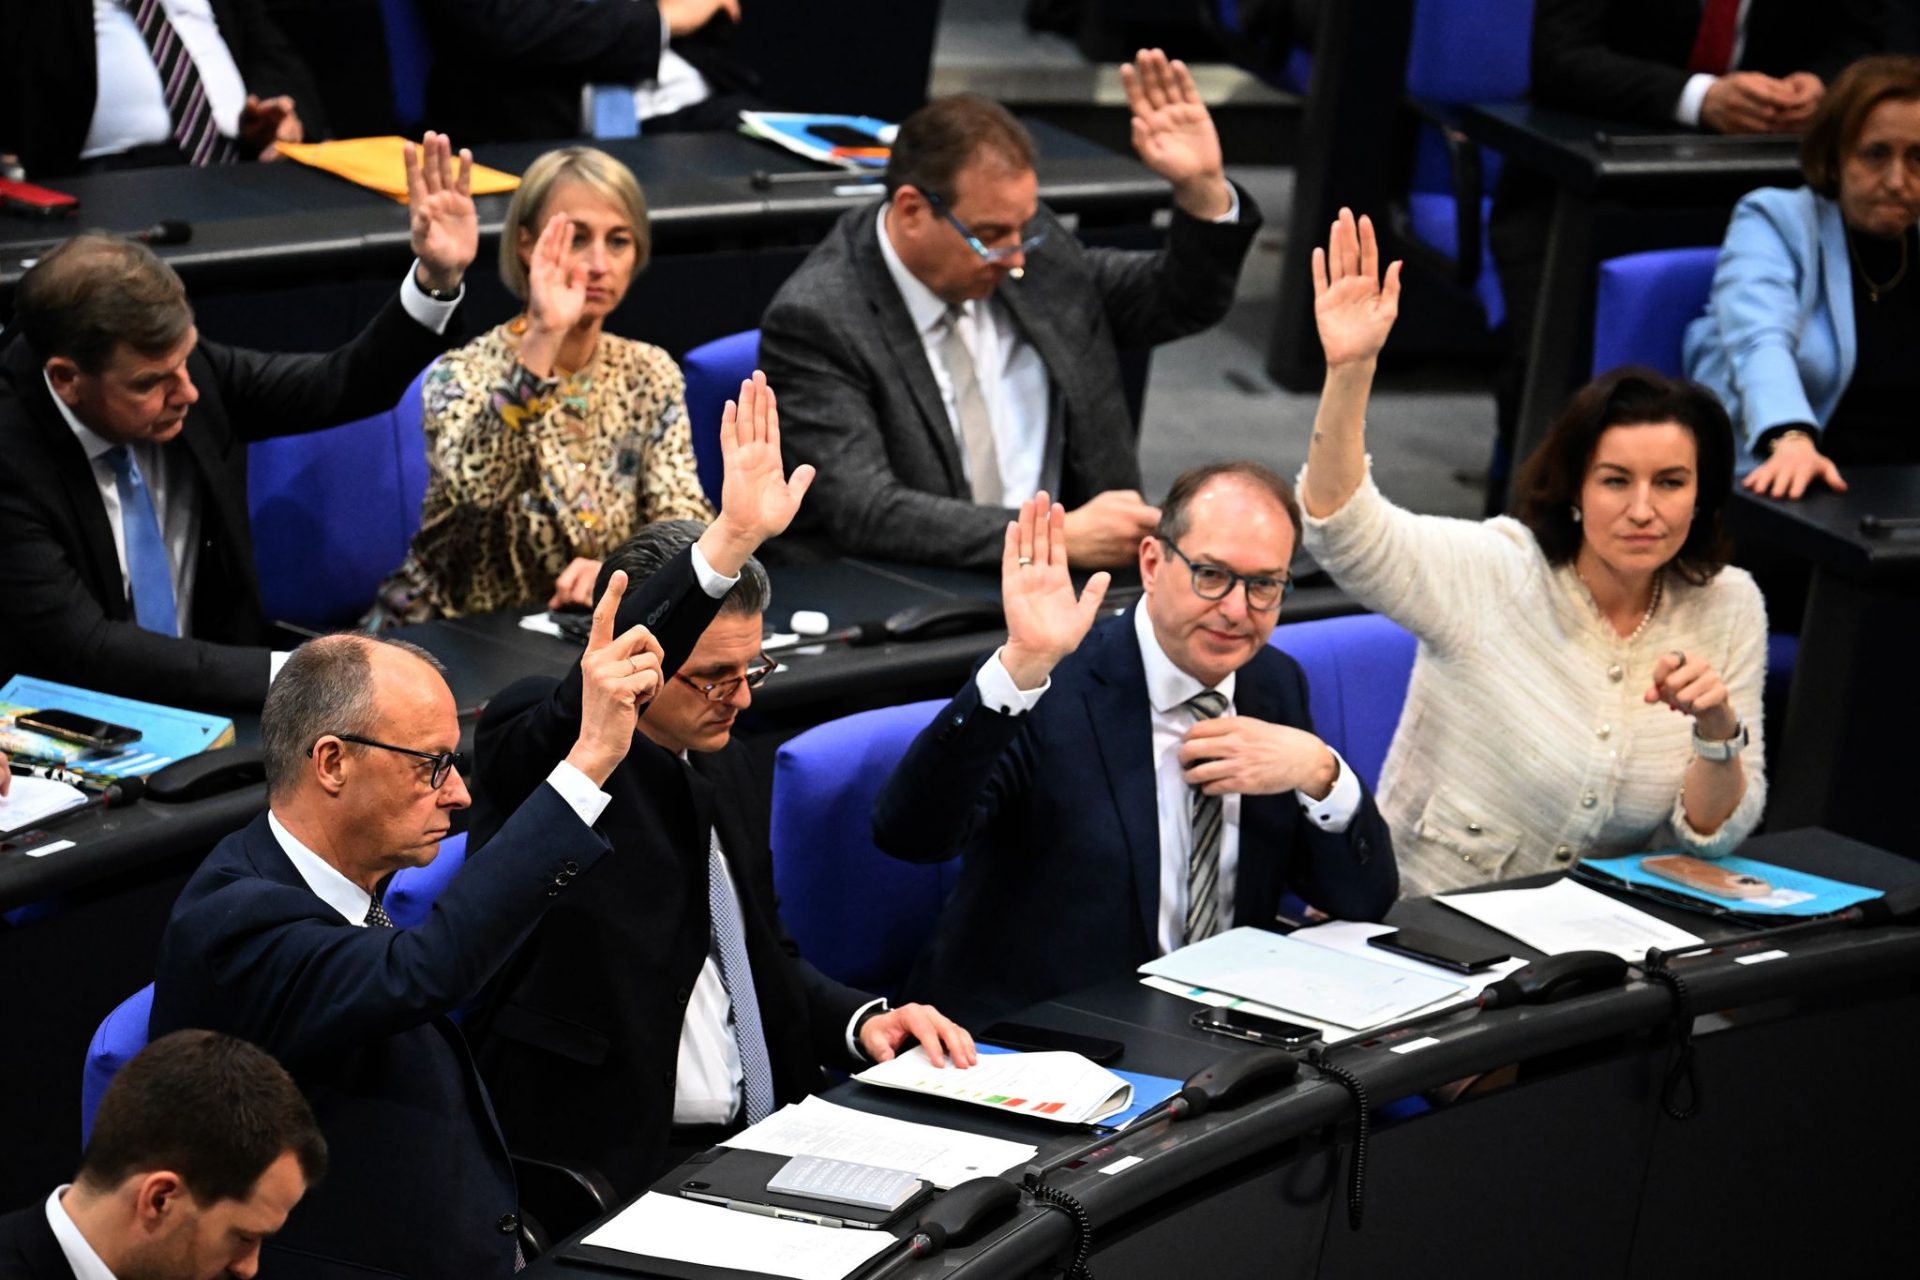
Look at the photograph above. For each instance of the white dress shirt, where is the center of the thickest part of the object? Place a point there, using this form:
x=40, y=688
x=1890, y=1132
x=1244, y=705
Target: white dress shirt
x=1694, y=94
x=80, y=1256
x=130, y=104
x=676, y=85
x=1168, y=689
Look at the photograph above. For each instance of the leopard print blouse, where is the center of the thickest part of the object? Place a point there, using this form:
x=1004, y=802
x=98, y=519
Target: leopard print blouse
x=526, y=473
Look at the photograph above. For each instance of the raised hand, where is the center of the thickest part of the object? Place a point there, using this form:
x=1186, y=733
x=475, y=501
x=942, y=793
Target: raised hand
x=446, y=230
x=556, y=295
x=1045, y=621
x=1238, y=755
x=1174, y=134
x=619, y=676
x=1692, y=687
x=758, y=500
x=684, y=17
x=1353, y=306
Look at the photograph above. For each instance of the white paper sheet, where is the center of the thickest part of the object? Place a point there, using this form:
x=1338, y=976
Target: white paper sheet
x=34, y=800
x=1568, y=916
x=657, y=1226
x=1052, y=1086
x=944, y=1157
x=1324, y=984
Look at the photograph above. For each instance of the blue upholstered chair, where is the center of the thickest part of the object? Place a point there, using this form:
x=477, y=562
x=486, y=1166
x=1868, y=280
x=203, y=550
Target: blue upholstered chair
x=333, y=512
x=409, y=59
x=714, y=372
x=859, y=916
x=1643, y=303
x=1357, y=671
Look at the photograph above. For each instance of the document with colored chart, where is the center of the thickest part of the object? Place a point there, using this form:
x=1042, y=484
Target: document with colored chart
x=1053, y=1086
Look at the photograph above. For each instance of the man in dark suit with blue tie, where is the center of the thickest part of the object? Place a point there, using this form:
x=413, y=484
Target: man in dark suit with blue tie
x=1118, y=791
x=280, y=937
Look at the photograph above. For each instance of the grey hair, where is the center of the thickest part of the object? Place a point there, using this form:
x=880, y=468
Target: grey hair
x=647, y=552
x=326, y=686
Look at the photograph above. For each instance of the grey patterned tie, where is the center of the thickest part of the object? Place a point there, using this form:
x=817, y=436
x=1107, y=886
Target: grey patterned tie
x=970, y=403
x=377, y=917
x=1203, y=857
x=736, y=974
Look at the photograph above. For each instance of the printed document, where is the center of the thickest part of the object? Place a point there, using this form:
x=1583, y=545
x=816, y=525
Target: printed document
x=1053, y=1086
x=1320, y=983
x=944, y=1157
x=657, y=1226
x=1568, y=916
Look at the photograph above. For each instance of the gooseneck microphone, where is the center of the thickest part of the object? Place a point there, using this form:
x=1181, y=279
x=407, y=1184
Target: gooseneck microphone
x=164, y=232
x=956, y=1217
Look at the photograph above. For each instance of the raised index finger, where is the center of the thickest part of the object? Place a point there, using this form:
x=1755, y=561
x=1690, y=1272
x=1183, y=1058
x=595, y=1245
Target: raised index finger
x=603, y=613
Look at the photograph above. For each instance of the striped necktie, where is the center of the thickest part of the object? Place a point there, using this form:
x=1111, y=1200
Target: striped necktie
x=736, y=974
x=1203, y=856
x=194, y=131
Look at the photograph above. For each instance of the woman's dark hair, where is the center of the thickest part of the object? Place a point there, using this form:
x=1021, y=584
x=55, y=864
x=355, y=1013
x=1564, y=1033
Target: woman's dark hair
x=1833, y=130
x=1551, y=479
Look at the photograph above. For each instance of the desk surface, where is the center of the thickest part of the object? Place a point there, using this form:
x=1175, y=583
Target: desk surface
x=1824, y=527
x=1589, y=153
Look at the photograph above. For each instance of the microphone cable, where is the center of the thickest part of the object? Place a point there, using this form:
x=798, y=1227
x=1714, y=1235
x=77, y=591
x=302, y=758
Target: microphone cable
x=1362, y=1127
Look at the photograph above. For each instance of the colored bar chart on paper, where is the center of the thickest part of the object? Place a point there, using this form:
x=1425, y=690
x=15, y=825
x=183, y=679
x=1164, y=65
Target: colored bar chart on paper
x=1053, y=1086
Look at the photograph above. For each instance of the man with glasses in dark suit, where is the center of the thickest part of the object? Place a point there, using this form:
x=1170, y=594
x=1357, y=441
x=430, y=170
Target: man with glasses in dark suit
x=1121, y=790
x=948, y=354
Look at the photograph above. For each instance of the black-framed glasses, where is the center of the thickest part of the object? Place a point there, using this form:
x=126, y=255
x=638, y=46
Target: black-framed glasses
x=1001, y=254
x=720, y=690
x=1215, y=582
x=444, y=762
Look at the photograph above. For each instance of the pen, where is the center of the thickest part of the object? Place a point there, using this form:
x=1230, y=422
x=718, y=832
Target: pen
x=788, y=1215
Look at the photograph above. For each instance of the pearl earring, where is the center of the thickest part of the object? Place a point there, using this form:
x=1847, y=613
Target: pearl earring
x=1576, y=514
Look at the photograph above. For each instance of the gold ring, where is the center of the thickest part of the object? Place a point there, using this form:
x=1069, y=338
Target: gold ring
x=1025, y=560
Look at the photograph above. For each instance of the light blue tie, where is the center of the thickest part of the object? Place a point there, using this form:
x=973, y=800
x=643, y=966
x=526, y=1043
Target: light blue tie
x=736, y=974
x=149, y=567
x=614, y=112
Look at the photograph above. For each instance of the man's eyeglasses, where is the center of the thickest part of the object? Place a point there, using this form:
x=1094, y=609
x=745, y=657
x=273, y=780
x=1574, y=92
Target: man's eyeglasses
x=1001, y=254
x=1215, y=582
x=444, y=762
x=721, y=690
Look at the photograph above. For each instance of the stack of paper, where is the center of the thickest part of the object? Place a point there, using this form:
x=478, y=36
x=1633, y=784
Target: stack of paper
x=657, y=1226
x=1053, y=1086
x=32, y=800
x=944, y=1157
x=1568, y=916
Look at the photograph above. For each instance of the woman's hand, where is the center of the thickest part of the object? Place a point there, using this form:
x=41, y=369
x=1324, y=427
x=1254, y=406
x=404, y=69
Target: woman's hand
x=575, y=583
x=1353, y=306
x=1792, y=466
x=1692, y=687
x=556, y=287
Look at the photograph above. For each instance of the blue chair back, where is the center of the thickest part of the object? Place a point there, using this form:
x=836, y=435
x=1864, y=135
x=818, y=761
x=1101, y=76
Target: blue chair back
x=1357, y=672
x=714, y=373
x=122, y=1034
x=859, y=916
x=409, y=59
x=413, y=890
x=333, y=512
x=1643, y=303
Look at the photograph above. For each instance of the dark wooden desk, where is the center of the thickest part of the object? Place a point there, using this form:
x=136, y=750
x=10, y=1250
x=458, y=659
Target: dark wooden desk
x=1847, y=761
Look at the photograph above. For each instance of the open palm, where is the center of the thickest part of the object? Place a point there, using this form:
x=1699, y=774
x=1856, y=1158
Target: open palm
x=756, y=494
x=1172, y=128
x=1354, y=307
x=1045, y=618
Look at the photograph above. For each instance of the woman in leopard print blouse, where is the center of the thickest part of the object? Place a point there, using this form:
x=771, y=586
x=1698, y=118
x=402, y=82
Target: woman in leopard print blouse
x=548, y=441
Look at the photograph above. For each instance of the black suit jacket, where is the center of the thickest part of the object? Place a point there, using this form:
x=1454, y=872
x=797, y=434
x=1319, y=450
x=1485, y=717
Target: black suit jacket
x=1056, y=816
x=1627, y=58
x=28, y=1249
x=51, y=83
x=514, y=70
x=64, y=611
x=581, y=1036
x=858, y=397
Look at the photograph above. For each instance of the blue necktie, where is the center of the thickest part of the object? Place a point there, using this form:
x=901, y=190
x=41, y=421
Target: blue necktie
x=149, y=567
x=730, y=945
x=614, y=112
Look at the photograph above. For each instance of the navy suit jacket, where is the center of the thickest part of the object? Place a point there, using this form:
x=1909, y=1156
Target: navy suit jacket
x=420, y=1183
x=1055, y=813
x=28, y=1248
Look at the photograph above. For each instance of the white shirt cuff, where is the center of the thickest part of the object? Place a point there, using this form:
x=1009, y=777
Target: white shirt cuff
x=1687, y=110
x=1232, y=214
x=276, y=660
x=711, y=580
x=1000, y=693
x=1337, y=810
x=585, y=799
x=430, y=313
x=853, y=1041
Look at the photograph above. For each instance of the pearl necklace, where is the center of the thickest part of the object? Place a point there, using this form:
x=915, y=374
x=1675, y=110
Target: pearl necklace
x=1653, y=603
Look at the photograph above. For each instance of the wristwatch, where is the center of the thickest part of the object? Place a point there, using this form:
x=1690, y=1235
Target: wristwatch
x=1722, y=751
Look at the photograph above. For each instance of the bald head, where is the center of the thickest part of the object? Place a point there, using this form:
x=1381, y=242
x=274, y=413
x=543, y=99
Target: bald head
x=96, y=292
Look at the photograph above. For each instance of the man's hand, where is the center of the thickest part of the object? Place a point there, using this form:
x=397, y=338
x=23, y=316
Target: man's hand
x=1045, y=622
x=266, y=121
x=575, y=583
x=1353, y=306
x=1749, y=102
x=1174, y=133
x=556, y=295
x=1692, y=687
x=1804, y=90
x=1790, y=468
x=1238, y=755
x=1105, y=531
x=883, y=1035
x=618, y=677
x=446, y=230
x=684, y=17
x=757, y=498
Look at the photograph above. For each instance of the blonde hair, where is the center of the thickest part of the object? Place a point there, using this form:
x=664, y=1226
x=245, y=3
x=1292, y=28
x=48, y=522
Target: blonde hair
x=592, y=168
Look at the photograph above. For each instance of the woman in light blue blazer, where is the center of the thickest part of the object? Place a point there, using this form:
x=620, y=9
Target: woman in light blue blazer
x=1813, y=327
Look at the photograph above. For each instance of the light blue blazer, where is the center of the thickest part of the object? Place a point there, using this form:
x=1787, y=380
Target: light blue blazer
x=1777, y=341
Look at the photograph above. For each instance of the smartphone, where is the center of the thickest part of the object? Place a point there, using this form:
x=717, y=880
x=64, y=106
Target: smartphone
x=1698, y=873
x=844, y=135
x=1437, y=949
x=1026, y=1039
x=1252, y=1026
x=70, y=726
x=36, y=202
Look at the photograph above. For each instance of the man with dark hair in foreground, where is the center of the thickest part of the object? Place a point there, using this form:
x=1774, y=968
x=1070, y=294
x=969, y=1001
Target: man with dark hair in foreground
x=200, y=1149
